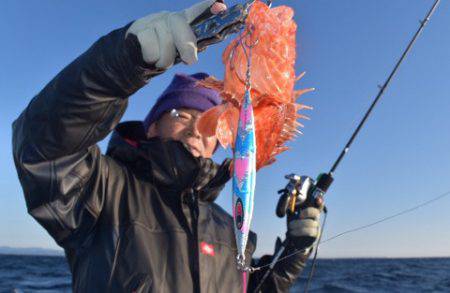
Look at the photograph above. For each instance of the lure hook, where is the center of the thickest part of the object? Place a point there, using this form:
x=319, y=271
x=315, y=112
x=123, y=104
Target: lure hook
x=244, y=43
x=241, y=264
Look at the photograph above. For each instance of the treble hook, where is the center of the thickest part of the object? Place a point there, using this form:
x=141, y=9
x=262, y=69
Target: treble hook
x=247, y=49
x=246, y=45
x=248, y=36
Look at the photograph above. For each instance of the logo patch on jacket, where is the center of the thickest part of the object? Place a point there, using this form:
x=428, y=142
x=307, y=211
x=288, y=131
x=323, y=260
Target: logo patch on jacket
x=207, y=248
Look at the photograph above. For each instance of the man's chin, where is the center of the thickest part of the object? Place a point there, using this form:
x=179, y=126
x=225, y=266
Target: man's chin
x=194, y=151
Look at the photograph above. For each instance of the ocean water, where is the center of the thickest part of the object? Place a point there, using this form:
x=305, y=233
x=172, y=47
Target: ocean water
x=51, y=274
x=34, y=274
x=379, y=275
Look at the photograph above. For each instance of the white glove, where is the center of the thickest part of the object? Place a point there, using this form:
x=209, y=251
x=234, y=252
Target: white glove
x=162, y=34
x=305, y=230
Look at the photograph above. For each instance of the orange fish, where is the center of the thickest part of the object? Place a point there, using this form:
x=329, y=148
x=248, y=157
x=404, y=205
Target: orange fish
x=271, y=31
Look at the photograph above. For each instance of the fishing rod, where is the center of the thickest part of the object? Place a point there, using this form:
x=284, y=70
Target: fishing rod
x=303, y=191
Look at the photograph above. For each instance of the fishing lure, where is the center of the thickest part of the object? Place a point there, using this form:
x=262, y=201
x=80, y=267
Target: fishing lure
x=244, y=169
x=244, y=178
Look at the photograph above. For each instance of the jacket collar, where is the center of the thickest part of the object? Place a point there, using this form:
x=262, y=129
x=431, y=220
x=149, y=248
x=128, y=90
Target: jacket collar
x=167, y=164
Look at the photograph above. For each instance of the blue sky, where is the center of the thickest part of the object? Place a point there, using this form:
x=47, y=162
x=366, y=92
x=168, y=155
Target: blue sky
x=401, y=157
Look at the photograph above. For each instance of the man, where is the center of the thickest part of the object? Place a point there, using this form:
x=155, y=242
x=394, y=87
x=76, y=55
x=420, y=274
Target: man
x=142, y=217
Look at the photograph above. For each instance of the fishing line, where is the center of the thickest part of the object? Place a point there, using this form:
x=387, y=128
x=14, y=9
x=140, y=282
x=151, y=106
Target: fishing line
x=359, y=228
x=388, y=217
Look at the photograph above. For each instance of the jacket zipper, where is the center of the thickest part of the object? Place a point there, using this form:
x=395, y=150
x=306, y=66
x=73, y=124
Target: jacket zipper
x=193, y=206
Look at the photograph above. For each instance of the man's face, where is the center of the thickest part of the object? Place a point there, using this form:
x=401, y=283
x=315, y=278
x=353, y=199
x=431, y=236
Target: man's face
x=180, y=125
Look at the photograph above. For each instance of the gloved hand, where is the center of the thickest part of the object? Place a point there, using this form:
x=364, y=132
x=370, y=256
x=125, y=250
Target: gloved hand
x=304, y=229
x=162, y=34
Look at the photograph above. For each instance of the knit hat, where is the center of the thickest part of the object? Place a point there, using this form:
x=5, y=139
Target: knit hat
x=183, y=92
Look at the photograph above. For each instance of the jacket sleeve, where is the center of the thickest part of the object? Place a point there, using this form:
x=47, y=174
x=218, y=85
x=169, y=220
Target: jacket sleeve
x=285, y=273
x=61, y=170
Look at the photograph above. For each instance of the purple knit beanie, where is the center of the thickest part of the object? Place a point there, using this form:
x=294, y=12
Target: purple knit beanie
x=183, y=92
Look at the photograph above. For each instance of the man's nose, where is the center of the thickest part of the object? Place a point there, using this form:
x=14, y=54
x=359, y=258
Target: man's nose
x=192, y=129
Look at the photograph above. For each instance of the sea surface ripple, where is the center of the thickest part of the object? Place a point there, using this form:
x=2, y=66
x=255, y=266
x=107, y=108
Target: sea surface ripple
x=51, y=274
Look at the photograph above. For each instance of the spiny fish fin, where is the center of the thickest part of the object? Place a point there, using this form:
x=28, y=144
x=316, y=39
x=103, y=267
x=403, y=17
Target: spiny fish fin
x=298, y=93
x=207, y=123
x=227, y=124
x=300, y=76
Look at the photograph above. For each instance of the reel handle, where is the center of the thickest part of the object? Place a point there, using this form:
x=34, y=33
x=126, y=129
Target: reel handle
x=283, y=204
x=294, y=195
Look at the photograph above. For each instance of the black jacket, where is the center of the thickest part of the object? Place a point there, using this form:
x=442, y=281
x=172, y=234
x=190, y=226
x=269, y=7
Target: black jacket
x=142, y=217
